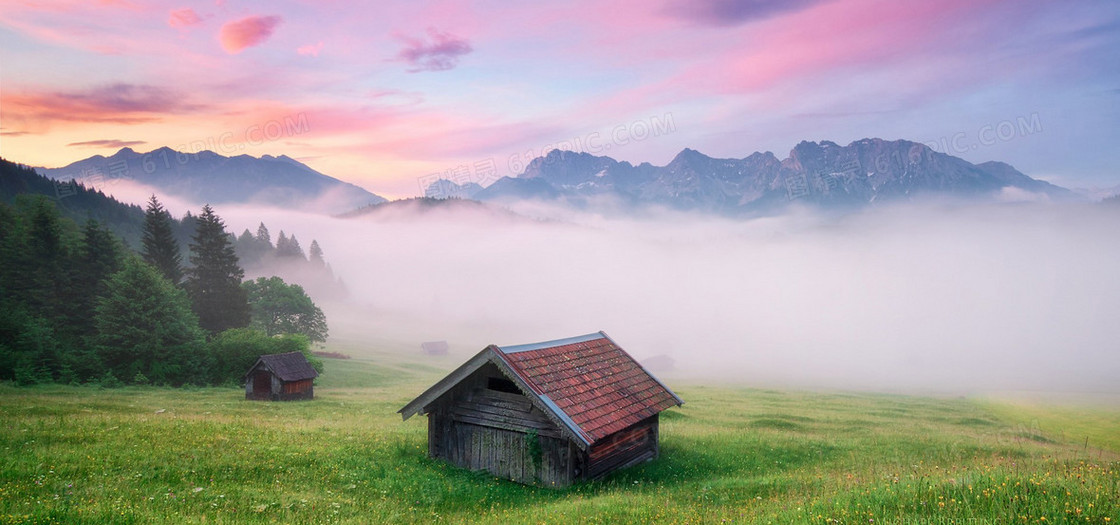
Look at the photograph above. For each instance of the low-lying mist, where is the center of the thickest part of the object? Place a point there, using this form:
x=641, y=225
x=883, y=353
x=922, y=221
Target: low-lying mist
x=937, y=297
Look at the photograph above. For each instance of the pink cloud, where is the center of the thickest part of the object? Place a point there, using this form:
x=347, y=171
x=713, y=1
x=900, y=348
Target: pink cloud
x=785, y=59
x=819, y=42
x=835, y=36
x=181, y=18
x=310, y=50
x=249, y=31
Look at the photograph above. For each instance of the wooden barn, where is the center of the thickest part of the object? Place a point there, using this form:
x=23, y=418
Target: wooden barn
x=548, y=413
x=281, y=377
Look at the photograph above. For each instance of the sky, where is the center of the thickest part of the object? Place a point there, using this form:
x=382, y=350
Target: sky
x=390, y=95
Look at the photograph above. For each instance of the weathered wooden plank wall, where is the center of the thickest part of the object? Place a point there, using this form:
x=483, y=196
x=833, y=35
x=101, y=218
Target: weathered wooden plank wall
x=482, y=429
x=624, y=448
x=294, y=387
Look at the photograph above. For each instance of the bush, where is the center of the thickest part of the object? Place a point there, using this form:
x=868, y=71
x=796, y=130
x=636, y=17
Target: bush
x=298, y=343
x=140, y=378
x=110, y=381
x=28, y=346
x=233, y=351
x=30, y=374
x=145, y=325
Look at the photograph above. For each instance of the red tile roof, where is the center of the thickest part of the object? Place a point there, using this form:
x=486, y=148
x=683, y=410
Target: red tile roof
x=596, y=385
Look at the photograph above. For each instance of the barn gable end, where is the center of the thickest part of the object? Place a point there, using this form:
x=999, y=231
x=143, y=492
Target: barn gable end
x=547, y=413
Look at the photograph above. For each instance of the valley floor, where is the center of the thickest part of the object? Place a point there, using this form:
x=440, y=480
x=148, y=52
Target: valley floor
x=155, y=455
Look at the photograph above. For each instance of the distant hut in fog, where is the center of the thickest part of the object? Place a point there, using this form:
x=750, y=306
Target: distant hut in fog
x=548, y=413
x=280, y=377
x=434, y=348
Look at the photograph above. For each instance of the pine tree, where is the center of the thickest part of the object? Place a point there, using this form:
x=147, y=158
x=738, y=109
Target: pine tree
x=294, y=249
x=263, y=236
x=317, y=254
x=288, y=246
x=281, y=243
x=10, y=250
x=247, y=248
x=187, y=226
x=33, y=288
x=214, y=284
x=98, y=257
x=160, y=249
x=38, y=270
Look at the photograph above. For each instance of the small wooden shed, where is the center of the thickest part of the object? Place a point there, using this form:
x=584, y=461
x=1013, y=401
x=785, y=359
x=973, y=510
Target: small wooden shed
x=549, y=413
x=281, y=377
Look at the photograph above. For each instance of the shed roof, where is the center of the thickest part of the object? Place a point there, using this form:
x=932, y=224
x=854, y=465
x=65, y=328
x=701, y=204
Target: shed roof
x=292, y=366
x=588, y=383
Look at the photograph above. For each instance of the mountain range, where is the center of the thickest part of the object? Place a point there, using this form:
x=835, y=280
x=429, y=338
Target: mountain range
x=823, y=174
x=207, y=177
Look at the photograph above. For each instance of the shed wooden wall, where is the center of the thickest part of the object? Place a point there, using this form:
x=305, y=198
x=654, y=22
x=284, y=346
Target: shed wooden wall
x=478, y=428
x=506, y=454
x=294, y=390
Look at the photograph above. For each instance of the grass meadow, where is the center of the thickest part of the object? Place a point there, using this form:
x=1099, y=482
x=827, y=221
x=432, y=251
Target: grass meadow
x=730, y=455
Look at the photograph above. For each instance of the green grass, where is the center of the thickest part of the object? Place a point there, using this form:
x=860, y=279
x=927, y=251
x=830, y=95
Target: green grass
x=153, y=455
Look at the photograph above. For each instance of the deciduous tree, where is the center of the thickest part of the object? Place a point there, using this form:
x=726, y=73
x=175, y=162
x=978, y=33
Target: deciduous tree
x=282, y=308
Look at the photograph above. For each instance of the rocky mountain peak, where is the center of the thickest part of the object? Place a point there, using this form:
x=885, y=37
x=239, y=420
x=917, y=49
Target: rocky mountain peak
x=870, y=170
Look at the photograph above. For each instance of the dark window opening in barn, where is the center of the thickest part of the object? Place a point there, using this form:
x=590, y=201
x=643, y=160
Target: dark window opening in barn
x=502, y=384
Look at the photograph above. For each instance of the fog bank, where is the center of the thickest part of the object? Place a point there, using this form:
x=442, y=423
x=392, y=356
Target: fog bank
x=938, y=297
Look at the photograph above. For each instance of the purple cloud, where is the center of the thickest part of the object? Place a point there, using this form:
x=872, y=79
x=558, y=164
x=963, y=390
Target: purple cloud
x=127, y=98
x=441, y=52
x=107, y=143
x=121, y=103
x=733, y=12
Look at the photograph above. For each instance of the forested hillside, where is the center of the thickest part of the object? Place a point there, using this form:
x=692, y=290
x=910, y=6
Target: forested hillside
x=78, y=305
x=258, y=255
x=74, y=200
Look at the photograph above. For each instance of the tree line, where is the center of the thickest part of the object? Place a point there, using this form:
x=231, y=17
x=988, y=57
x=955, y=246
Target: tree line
x=257, y=254
x=286, y=258
x=77, y=306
